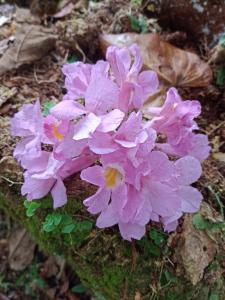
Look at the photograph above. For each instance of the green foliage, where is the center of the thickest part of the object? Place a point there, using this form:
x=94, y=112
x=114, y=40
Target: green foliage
x=136, y=2
x=202, y=224
x=47, y=106
x=220, y=78
x=158, y=237
x=72, y=58
x=199, y=222
x=139, y=24
x=148, y=247
x=74, y=231
x=214, y=296
x=4, y=285
x=31, y=207
x=168, y=278
x=79, y=289
x=222, y=40
x=31, y=281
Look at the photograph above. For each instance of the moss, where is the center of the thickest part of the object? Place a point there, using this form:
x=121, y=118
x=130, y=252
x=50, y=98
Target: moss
x=104, y=262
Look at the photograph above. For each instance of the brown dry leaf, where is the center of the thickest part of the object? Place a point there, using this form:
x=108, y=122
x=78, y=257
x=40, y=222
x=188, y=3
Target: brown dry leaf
x=31, y=44
x=6, y=93
x=66, y=10
x=217, y=55
x=219, y=156
x=21, y=249
x=174, y=66
x=195, y=249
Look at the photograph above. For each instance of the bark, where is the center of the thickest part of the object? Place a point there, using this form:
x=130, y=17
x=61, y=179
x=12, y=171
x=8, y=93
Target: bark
x=115, y=269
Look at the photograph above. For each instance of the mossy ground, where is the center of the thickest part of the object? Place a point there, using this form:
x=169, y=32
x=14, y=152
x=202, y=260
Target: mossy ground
x=111, y=268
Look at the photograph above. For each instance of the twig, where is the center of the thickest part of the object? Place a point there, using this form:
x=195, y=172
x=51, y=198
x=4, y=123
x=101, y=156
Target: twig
x=218, y=200
x=10, y=181
x=217, y=127
x=21, y=44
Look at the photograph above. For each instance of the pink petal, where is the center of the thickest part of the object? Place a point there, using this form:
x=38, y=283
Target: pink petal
x=149, y=82
x=102, y=143
x=36, y=188
x=131, y=231
x=188, y=170
x=161, y=167
x=86, y=126
x=164, y=200
x=107, y=218
x=191, y=199
x=111, y=121
x=67, y=110
x=98, y=202
x=59, y=194
x=94, y=175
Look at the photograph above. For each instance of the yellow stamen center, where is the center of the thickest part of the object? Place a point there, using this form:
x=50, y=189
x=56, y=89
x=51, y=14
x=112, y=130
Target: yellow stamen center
x=56, y=132
x=112, y=176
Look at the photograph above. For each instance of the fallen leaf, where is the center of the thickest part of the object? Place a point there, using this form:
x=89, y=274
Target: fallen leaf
x=31, y=44
x=21, y=250
x=6, y=93
x=219, y=156
x=10, y=168
x=66, y=10
x=195, y=248
x=50, y=268
x=5, y=43
x=174, y=66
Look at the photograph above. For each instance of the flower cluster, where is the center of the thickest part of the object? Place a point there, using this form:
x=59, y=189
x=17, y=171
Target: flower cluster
x=99, y=129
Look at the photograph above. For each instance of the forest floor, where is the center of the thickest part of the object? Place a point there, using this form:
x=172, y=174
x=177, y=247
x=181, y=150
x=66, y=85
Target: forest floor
x=70, y=32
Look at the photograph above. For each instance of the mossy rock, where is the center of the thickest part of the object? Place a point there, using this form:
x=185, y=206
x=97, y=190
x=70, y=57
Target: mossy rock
x=111, y=268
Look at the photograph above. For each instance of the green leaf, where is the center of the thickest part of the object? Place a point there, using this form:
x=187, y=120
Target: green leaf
x=143, y=23
x=222, y=40
x=157, y=236
x=68, y=228
x=85, y=225
x=199, y=222
x=73, y=58
x=79, y=289
x=31, y=207
x=170, y=277
x=220, y=78
x=66, y=220
x=26, y=203
x=134, y=23
x=139, y=24
x=136, y=2
x=48, y=227
x=57, y=218
x=155, y=250
x=214, y=297
x=47, y=106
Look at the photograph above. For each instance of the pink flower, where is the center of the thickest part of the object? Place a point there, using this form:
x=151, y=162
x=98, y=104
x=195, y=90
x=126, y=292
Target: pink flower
x=45, y=174
x=135, y=86
x=77, y=79
x=100, y=96
x=55, y=129
x=187, y=171
x=196, y=145
x=175, y=119
x=28, y=123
